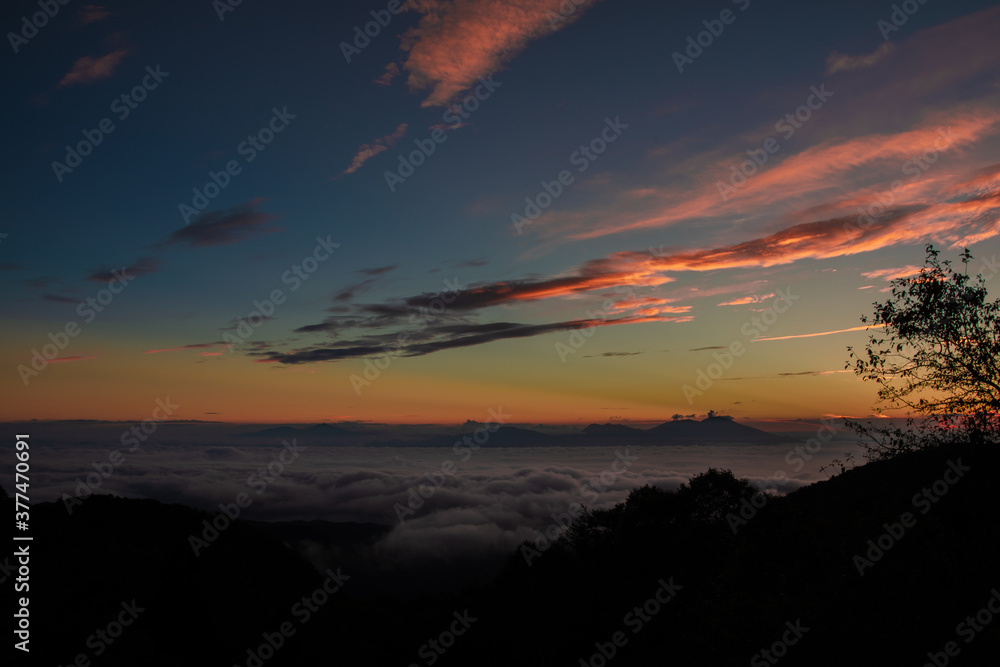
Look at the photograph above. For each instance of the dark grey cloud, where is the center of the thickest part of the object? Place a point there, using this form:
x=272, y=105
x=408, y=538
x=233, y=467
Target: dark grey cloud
x=40, y=283
x=378, y=271
x=351, y=291
x=60, y=298
x=224, y=227
x=613, y=354
x=446, y=337
x=143, y=266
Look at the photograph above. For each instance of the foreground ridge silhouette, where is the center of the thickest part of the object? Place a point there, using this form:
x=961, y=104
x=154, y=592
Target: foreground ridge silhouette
x=789, y=571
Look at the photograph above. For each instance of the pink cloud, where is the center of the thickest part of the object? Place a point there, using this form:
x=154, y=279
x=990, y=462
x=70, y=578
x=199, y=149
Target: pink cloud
x=744, y=300
x=63, y=360
x=368, y=151
x=838, y=62
x=892, y=274
x=89, y=69
x=458, y=41
x=93, y=13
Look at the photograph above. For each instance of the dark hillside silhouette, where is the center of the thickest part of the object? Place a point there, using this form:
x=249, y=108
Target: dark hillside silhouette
x=792, y=559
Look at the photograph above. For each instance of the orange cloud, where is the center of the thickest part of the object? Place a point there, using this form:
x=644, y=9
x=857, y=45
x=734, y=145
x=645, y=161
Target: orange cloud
x=815, y=173
x=892, y=274
x=92, y=13
x=838, y=62
x=368, y=151
x=821, y=333
x=89, y=69
x=63, y=360
x=196, y=346
x=390, y=74
x=742, y=301
x=458, y=41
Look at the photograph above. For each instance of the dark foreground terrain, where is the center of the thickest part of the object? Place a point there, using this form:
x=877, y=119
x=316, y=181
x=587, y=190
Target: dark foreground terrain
x=881, y=565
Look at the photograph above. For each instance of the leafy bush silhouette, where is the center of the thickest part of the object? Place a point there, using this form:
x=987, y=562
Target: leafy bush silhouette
x=937, y=355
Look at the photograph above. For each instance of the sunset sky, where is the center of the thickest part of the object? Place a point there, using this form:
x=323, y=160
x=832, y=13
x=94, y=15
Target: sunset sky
x=872, y=139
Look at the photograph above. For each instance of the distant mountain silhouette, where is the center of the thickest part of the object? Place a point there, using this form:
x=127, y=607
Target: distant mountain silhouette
x=312, y=435
x=505, y=436
x=613, y=431
x=709, y=431
x=713, y=429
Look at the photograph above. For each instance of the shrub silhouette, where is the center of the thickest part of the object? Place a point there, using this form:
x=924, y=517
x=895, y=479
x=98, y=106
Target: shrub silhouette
x=937, y=355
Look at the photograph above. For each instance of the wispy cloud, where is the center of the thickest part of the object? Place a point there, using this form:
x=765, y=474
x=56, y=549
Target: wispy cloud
x=826, y=175
x=368, y=151
x=65, y=360
x=449, y=336
x=743, y=300
x=840, y=62
x=59, y=298
x=821, y=333
x=892, y=274
x=613, y=354
x=390, y=74
x=92, y=14
x=786, y=375
x=194, y=346
x=89, y=69
x=144, y=266
x=224, y=227
x=458, y=41
x=378, y=270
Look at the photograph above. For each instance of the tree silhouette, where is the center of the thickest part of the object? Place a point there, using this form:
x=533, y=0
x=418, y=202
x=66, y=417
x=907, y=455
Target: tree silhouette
x=937, y=354
x=711, y=495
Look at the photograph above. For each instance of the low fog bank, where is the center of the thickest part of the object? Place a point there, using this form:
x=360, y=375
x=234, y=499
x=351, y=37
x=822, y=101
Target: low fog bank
x=444, y=507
